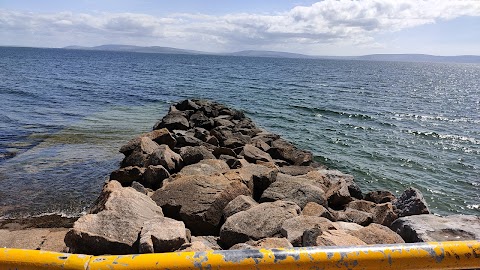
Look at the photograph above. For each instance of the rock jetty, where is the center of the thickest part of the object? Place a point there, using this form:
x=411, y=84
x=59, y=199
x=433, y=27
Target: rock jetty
x=208, y=178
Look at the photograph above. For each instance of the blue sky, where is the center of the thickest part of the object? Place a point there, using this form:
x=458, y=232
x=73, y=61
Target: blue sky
x=329, y=27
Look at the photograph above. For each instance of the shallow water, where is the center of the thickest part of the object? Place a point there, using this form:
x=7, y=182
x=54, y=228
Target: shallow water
x=392, y=125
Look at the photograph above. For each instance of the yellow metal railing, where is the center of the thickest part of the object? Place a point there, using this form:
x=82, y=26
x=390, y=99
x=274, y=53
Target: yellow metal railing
x=432, y=255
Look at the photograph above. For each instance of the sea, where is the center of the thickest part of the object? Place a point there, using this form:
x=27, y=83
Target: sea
x=65, y=113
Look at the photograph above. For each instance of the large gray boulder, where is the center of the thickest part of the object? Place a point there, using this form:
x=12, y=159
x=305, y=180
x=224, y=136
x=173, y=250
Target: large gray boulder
x=198, y=200
x=427, y=228
x=160, y=136
x=376, y=234
x=256, y=177
x=162, y=234
x=253, y=154
x=154, y=176
x=261, y=221
x=114, y=222
x=141, y=153
x=127, y=175
x=239, y=204
x=298, y=190
x=411, y=202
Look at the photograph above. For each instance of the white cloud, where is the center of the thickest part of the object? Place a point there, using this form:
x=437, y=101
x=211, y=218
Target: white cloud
x=323, y=23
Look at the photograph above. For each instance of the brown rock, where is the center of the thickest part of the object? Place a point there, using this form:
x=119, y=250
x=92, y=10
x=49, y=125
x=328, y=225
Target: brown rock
x=164, y=156
x=261, y=221
x=411, y=202
x=140, y=155
x=194, y=154
x=206, y=167
x=154, y=176
x=253, y=154
x=114, y=222
x=338, y=238
x=317, y=210
x=298, y=190
x=355, y=216
x=294, y=228
x=160, y=136
x=162, y=235
x=376, y=234
x=281, y=149
x=240, y=203
x=384, y=214
x=173, y=120
x=198, y=200
x=127, y=175
x=296, y=170
x=265, y=243
x=380, y=196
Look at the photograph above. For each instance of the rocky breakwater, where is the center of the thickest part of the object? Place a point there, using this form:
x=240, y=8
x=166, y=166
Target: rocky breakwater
x=208, y=178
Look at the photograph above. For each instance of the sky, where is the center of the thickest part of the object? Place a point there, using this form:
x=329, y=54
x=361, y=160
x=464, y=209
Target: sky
x=329, y=27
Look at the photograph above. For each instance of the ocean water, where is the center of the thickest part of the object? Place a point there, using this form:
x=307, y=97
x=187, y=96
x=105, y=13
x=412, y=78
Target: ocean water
x=65, y=113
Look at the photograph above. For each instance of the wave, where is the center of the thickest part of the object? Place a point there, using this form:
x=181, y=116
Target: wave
x=434, y=135
x=425, y=118
x=320, y=111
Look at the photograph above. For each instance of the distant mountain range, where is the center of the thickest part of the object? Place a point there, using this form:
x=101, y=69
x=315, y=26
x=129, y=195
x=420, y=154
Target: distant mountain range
x=276, y=54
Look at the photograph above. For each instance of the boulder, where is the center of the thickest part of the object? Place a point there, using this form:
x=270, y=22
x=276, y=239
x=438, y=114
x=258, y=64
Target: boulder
x=298, y=190
x=141, y=153
x=296, y=170
x=209, y=242
x=127, y=175
x=338, y=238
x=187, y=104
x=206, y=167
x=265, y=243
x=139, y=187
x=411, y=202
x=317, y=210
x=194, y=154
x=164, y=156
x=201, y=133
x=236, y=140
x=384, y=214
x=253, y=154
x=212, y=140
x=154, y=176
x=266, y=137
x=198, y=200
x=281, y=149
x=347, y=226
x=114, y=222
x=376, y=234
x=380, y=196
x=428, y=228
x=232, y=162
x=294, y=228
x=188, y=140
x=261, y=221
x=355, y=216
x=160, y=136
x=218, y=151
x=261, y=145
x=162, y=235
x=240, y=203
x=173, y=120
x=199, y=119
x=219, y=121
x=256, y=177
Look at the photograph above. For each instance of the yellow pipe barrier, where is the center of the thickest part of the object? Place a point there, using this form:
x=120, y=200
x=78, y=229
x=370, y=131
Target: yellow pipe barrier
x=432, y=255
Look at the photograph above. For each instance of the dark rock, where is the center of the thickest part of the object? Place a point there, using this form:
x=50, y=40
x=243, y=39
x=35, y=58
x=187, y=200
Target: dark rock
x=261, y=221
x=139, y=187
x=266, y=137
x=342, y=190
x=198, y=200
x=173, y=120
x=281, y=149
x=236, y=140
x=232, y=162
x=162, y=235
x=206, y=167
x=212, y=140
x=114, y=222
x=362, y=205
x=188, y=140
x=201, y=133
x=218, y=151
x=221, y=133
x=223, y=122
x=127, y=175
x=194, y=154
x=411, y=202
x=376, y=234
x=154, y=176
x=240, y=203
x=187, y=105
x=294, y=228
x=380, y=196
x=317, y=210
x=140, y=155
x=261, y=145
x=384, y=214
x=298, y=190
x=253, y=154
x=431, y=228
x=199, y=119
x=164, y=156
x=160, y=136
